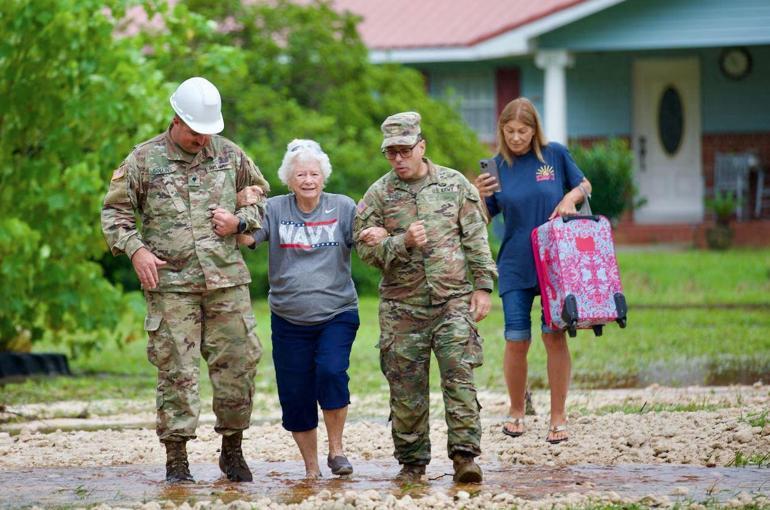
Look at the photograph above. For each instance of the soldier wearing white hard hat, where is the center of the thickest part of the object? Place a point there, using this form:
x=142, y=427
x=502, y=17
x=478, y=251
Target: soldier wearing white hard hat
x=198, y=104
x=183, y=184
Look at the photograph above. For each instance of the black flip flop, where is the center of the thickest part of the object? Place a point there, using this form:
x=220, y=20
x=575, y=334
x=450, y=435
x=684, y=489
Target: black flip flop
x=516, y=422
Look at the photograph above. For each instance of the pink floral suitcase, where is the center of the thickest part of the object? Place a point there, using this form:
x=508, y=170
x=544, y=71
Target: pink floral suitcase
x=578, y=274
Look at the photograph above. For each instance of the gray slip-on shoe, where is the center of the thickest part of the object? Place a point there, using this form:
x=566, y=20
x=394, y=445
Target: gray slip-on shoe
x=340, y=465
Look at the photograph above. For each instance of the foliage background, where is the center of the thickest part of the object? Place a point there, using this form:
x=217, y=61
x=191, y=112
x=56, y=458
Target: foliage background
x=81, y=84
x=609, y=166
x=74, y=99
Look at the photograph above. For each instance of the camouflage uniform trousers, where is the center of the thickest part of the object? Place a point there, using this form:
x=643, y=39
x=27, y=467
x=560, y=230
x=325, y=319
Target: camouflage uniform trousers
x=219, y=325
x=408, y=333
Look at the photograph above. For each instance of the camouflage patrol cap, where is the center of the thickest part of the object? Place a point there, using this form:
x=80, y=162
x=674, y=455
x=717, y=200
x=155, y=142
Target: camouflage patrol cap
x=401, y=129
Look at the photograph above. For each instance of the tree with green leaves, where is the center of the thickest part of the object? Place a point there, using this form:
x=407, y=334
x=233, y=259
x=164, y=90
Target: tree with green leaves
x=78, y=93
x=75, y=98
x=301, y=71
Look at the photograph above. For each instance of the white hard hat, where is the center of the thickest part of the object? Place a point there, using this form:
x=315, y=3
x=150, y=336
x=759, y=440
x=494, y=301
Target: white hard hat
x=198, y=104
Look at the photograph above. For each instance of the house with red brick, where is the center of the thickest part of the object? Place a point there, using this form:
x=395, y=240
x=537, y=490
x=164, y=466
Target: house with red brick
x=687, y=82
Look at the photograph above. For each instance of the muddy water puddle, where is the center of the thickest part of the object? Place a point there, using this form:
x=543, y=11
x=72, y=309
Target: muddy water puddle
x=283, y=482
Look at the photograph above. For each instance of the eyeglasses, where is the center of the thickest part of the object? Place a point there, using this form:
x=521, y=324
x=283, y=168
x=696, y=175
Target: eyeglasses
x=306, y=145
x=405, y=152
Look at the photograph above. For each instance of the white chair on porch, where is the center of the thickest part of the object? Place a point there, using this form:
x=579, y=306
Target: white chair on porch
x=731, y=175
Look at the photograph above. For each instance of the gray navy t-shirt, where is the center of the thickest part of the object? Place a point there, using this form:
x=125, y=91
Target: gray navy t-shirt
x=309, y=265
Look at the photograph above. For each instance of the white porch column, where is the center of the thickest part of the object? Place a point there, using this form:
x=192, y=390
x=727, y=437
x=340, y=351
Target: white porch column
x=555, y=63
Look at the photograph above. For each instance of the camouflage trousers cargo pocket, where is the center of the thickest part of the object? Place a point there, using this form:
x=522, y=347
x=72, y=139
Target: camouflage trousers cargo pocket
x=254, y=346
x=404, y=349
x=474, y=348
x=158, y=352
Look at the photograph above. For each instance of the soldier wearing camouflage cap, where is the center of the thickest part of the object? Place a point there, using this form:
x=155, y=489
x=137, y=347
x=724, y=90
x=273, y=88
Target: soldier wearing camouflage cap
x=422, y=225
x=183, y=184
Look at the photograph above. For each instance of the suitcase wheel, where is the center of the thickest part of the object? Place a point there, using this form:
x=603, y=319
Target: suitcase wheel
x=598, y=330
x=621, y=307
x=569, y=311
x=572, y=332
x=621, y=322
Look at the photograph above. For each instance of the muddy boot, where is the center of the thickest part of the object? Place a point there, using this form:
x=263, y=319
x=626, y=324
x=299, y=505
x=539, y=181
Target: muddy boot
x=410, y=473
x=231, y=460
x=466, y=469
x=177, y=468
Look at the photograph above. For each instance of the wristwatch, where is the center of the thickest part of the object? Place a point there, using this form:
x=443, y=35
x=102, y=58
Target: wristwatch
x=241, y=225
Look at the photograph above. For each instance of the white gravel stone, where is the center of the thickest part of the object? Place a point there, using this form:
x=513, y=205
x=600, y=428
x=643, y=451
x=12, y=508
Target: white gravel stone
x=700, y=438
x=743, y=436
x=636, y=439
x=462, y=496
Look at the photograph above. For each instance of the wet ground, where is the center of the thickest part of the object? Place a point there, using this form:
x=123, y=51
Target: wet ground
x=650, y=447
x=283, y=482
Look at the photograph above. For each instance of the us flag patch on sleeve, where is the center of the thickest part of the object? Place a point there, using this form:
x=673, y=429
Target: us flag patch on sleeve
x=119, y=172
x=361, y=206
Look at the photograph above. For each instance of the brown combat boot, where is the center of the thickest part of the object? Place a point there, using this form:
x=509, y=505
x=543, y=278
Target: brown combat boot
x=177, y=467
x=231, y=460
x=466, y=469
x=410, y=473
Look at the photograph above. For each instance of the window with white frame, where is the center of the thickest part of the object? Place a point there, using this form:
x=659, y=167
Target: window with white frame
x=473, y=93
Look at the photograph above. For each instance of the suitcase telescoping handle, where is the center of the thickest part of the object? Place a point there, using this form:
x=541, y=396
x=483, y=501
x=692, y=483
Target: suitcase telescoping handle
x=584, y=212
x=571, y=217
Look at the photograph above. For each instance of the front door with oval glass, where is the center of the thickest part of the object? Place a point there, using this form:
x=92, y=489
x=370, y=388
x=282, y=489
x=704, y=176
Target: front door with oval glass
x=667, y=140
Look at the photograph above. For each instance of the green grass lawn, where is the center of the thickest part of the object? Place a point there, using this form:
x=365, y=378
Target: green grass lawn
x=700, y=344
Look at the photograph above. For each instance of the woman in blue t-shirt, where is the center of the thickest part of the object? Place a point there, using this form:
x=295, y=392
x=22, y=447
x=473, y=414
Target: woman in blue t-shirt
x=538, y=181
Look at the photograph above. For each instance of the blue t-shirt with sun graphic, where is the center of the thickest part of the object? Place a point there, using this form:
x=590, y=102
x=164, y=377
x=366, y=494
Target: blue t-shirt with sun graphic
x=531, y=190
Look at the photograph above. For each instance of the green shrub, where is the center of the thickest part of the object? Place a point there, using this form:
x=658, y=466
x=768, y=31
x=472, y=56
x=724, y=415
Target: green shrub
x=609, y=167
x=304, y=73
x=75, y=98
x=723, y=205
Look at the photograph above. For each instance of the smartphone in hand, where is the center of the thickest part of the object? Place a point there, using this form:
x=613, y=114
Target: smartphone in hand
x=489, y=166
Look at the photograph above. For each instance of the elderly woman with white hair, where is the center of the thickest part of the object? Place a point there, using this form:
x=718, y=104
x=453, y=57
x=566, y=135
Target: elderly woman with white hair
x=313, y=302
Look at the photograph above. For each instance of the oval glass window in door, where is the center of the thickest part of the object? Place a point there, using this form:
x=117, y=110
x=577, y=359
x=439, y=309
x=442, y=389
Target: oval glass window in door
x=670, y=120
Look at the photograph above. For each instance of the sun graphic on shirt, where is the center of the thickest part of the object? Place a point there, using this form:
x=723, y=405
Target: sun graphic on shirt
x=545, y=173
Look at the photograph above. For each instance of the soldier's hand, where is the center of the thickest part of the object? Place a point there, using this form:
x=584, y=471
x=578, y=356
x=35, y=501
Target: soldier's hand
x=245, y=239
x=486, y=184
x=249, y=195
x=480, y=304
x=146, y=265
x=224, y=222
x=415, y=235
x=372, y=236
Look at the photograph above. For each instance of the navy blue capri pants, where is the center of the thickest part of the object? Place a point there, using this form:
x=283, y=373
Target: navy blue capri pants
x=311, y=367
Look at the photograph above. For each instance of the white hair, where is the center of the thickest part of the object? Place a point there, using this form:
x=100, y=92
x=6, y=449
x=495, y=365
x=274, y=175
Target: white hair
x=303, y=151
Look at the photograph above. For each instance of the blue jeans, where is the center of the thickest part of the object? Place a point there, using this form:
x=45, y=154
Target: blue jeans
x=311, y=364
x=517, y=309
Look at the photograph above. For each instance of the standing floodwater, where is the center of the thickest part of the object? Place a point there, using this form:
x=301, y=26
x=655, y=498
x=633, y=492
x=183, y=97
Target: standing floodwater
x=283, y=483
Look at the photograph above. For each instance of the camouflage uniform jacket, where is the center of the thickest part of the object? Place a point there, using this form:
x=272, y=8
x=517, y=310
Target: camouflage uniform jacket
x=457, y=237
x=174, y=194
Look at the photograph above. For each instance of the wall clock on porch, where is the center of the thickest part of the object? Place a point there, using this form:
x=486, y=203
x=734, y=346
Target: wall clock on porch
x=735, y=63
